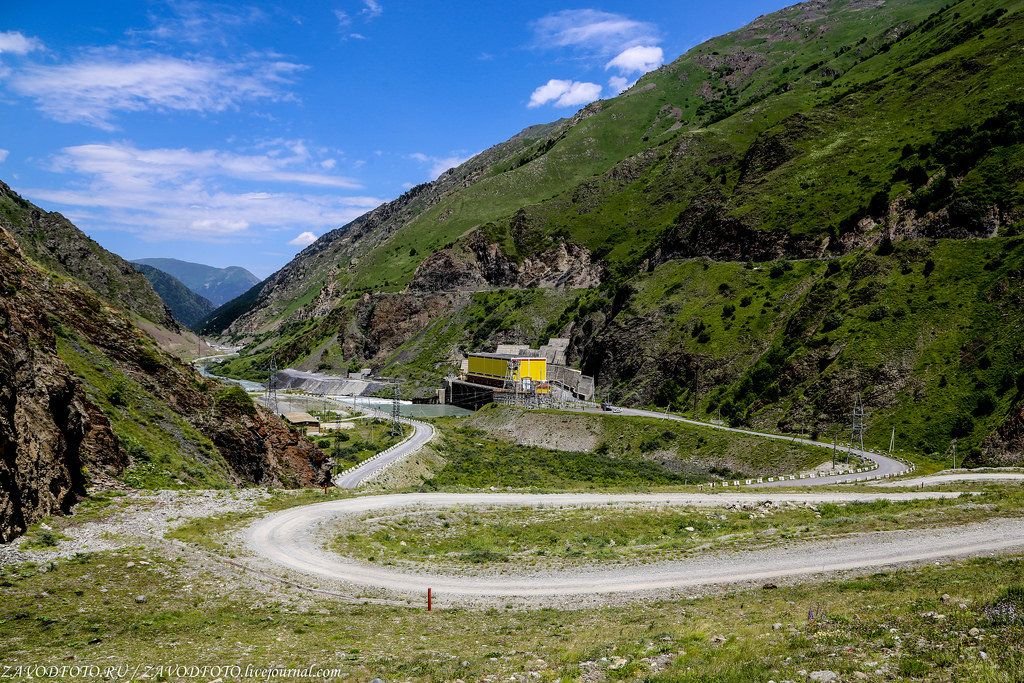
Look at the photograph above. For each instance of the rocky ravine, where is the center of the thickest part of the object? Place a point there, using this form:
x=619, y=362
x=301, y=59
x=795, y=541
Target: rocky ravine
x=55, y=442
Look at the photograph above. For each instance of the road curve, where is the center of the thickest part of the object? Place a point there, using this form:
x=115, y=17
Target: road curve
x=949, y=476
x=421, y=434
x=886, y=465
x=293, y=539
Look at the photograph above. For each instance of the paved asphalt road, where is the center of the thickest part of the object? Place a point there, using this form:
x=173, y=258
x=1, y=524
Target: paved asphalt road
x=886, y=465
x=949, y=476
x=422, y=433
x=294, y=539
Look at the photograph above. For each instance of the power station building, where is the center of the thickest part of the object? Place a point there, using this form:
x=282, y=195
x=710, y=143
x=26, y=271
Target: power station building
x=516, y=374
x=506, y=371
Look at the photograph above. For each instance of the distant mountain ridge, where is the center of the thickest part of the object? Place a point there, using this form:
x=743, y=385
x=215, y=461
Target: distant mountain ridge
x=218, y=285
x=187, y=307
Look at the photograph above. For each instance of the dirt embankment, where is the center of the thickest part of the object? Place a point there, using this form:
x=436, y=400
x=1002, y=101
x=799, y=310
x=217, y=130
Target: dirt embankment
x=574, y=433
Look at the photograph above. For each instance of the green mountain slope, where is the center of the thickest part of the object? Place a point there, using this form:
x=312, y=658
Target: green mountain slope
x=57, y=245
x=218, y=285
x=817, y=205
x=186, y=306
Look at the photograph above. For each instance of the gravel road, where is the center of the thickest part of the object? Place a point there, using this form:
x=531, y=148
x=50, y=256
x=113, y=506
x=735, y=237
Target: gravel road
x=294, y=540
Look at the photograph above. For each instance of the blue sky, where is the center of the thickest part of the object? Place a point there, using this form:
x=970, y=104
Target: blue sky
x=233, y=134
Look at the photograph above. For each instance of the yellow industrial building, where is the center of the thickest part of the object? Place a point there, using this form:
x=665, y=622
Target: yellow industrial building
x=495, y=369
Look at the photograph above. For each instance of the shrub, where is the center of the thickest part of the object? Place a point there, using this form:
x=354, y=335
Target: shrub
x=235, y=399
x=1008, y=608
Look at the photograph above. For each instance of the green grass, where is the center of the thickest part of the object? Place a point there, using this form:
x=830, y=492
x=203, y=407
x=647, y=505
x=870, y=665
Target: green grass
x=365, y=439
x=636, y=445
x=165, y=450
x=59, y=613
x=517, y=537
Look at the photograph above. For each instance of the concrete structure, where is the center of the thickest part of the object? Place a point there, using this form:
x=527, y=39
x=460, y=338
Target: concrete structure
x=318, y=383
x=579, y=385
x=303, y=421
x=467, y=394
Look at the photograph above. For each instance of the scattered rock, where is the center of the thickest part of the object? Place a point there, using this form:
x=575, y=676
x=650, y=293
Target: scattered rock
x=825, y=676
x=974, y=632
x=776, y=626
x=717, y=639
x=140, y=599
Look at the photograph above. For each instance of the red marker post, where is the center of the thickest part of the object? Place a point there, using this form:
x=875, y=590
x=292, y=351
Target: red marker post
x=430, y=599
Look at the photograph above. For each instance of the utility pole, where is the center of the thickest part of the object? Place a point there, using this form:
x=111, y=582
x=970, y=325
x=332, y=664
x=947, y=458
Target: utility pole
x=396, y=414
x=696, y=384
x=857, y=425
x=892, y=441
x=953, y=446
x=271, y=395
x=834, y=447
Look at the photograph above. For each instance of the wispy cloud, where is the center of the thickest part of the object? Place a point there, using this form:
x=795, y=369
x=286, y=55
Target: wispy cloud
x=303, y=239
x=562, y=93
x=120, y=163
x=438, y=165
x=592, y=32
x=14, y=43
x=206, y=194
x=198, y=23
x=95, y=87
x=372, y=9
x=3, y=155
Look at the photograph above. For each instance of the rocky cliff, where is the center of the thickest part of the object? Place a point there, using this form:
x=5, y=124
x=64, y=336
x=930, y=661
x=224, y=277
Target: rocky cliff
x=87, y=399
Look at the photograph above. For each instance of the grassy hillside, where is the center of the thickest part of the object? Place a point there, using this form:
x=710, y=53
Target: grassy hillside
x=186, y=306
x=820, y=204
x=218, y=285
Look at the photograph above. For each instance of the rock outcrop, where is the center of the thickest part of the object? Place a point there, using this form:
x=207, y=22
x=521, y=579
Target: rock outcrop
x=479, y=263
x=56, y=442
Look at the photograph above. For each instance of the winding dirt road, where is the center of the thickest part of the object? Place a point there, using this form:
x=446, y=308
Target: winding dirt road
x=294, y=540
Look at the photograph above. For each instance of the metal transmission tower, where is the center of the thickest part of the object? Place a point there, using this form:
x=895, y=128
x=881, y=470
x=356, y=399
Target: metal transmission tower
x=396, y=413
x=857, y=425
x=271, y=394
x=510, y=385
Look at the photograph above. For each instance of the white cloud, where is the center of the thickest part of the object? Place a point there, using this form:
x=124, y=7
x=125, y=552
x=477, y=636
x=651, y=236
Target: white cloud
x=564, y=93
x=328, y=164
x=14, y=43
x=637, y=59
x=372, y=9
x=201, y=194
x=123, y=163
x=618, y=83
x=93, y=89
x=3, y=155
x=303, y=240
x=344, y=20
x=592, y=32
x=439, y=165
